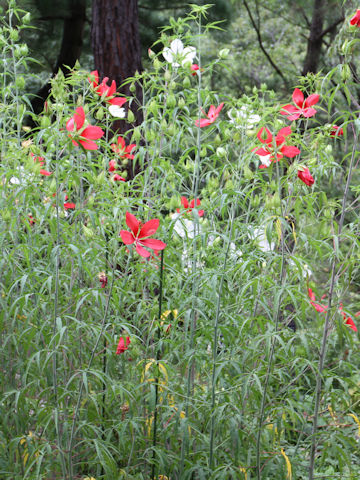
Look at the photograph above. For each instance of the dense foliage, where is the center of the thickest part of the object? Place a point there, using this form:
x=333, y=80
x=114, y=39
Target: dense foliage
x=182, y=302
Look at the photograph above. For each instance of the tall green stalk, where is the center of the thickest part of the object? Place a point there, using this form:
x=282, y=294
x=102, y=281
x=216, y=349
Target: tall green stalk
x=191, y=366
x=158, y=353
x=273, y=337
x=322, y=355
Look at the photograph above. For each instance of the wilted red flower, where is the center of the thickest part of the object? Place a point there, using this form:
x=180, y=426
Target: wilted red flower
x=347, y=319
x=84, y=136
x=112, y=165
x=318, y=307
x=104, y=90
x=336, y=131
x=42, y=162
x=302, y=107
x=356, y=19
x=212, y=115
x=267, y=154
x=123, y=150
x=121, y=345
x=194, y=68
x=189, y=206
x=118, y=178
x=103, y=279
x=305, y=176
x=139, y=233
x=32, y=220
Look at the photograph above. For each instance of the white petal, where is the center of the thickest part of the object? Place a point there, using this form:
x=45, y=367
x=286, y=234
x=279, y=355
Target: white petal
x=168, y=54
x=177, y=46
x=117, y=111
x=189, y=54
x=265, y=160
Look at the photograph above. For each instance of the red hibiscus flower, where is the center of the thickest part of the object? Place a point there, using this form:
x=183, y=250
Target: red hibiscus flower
x=121, y=345
x=189, y=206
x=305, y=176
x=347, y=319
x=318, y=307
x=212, y=115
x=302, y=107
x=42, y=162
x=356, y=19
x=336, y=131
x=123, y=150
x=267, y=153
x=106, y=91
x=84, y=136
x=139, y=233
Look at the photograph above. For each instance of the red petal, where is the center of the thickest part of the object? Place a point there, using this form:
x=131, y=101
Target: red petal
x=184, y=202
x=119, y=101
x=204, y=122
x=290, y=151
x=45, y=173
x=288, y=109
x=153, y=244
x=311, y=295
x=88, y=144
x=79, y=117
x=268, y=138
x=312, y=100
x=218, y=109
x=262, y=152
x=149, y=228
x=284, y=132
x=121, y=142
x=141, y=251
x=132, y=223
x=127, y=237
x=69, y=206
x=309, y=112
x=298, y=97
x=70, y=125
x=351, y=324
x=92, y=133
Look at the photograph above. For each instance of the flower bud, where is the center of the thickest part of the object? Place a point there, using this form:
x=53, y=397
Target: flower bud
x=186, y=82
x=130, y=117
x=221, y=152
x=157, y=64
x=345, y=72
x=224, y=52
x=167, y=75
x=171, y=101
x=132, y=87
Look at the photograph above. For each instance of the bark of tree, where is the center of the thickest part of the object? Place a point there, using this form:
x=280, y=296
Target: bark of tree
x=116, y=46
x=71, y=45
x=315, y=39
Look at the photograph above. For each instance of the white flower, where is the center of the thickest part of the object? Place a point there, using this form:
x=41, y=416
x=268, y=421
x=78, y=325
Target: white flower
x=184, y=227
x=262, y=241
x=17, y=180
x=117, y=111
x=177, y=53
x=243, y=118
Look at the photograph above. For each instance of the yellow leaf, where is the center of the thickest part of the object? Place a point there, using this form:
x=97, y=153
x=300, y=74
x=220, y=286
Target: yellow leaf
x=278, y=228
x=243, y=470
x=288, y=464
x=356, y=420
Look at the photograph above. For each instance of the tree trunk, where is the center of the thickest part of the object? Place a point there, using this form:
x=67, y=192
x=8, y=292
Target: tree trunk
x=116, y=46
x=315, y=39
x=70, y=50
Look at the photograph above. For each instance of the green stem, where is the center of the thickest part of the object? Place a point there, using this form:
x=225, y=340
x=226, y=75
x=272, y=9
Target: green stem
x=157, y=363
x=327, y=320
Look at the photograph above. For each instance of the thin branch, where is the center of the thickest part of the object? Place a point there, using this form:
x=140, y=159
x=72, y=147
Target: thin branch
x=332, y=27
x=258, y=33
